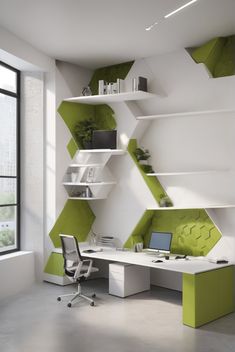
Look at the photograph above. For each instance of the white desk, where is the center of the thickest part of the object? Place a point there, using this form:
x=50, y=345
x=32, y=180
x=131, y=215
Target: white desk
x=208, y=289
x=190, y=266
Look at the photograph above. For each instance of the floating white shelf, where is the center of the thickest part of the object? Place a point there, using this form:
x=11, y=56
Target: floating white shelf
x=85, y=165
x=111, y=98
x=90, y=184
x=206, y=206
x=107, y=151
x=86, y=198
x=182, y=173
x=182, y=114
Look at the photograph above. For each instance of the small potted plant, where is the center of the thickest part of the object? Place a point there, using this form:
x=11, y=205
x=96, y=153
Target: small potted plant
x=165, y=201
x=83, y=132
x=142, y=155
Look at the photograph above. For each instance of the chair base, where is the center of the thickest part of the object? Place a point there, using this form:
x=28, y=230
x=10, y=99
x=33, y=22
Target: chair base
x=78, y=294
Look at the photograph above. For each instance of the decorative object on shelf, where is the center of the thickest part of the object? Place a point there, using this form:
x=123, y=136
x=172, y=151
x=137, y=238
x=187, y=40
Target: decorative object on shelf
x=139, y=83
x=83, y=132
x=104, y=139
x=142, y=155
x=110, y=87
x=86, y=91
x=165, y=201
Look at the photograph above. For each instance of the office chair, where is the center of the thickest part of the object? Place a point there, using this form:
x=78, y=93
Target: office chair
x=76, y=268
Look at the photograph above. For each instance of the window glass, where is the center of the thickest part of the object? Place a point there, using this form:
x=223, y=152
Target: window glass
x=7, y=79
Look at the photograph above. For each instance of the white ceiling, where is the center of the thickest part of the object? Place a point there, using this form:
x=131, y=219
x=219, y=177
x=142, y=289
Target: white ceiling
x=95, y=33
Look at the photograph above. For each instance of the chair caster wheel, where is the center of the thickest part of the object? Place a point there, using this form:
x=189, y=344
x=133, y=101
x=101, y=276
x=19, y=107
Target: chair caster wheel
x=69, y=305
x=94, y=295
x=92, y=304
x=59, y=299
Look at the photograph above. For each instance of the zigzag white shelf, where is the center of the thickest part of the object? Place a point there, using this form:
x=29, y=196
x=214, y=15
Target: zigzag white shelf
x=89, y=174
x=182, y=114
x=111, y=98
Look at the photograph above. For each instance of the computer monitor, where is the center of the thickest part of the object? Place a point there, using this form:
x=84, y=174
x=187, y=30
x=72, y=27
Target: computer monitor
x=160, y=242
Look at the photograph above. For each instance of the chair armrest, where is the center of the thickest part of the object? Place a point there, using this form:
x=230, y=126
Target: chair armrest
x=90, y=266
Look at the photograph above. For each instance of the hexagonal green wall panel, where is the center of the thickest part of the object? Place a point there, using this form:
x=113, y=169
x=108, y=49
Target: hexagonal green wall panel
x=194, y=233
x=75, y=219
x=218, y=55
x=72, y=113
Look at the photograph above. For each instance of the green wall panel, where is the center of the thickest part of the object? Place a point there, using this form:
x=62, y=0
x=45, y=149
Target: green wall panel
x=207, y=296
x=109, y=74
x=72, y=147
x=140, y=229
x=75, y=219
x=55, y=265
x=72, y=113
x=152, y=182
x=218, y=55
x=193, y=231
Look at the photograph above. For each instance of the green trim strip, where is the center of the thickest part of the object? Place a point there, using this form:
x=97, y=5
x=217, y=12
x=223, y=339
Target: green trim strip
x=152, y=182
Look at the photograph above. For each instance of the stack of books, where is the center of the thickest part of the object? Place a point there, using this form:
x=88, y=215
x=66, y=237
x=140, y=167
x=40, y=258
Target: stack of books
x=107, y=241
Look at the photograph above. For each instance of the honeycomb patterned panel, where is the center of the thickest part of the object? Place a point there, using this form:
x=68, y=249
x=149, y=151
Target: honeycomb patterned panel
x=194, y=233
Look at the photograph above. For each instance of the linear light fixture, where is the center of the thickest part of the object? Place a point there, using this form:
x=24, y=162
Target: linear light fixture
x=151, y=27
x=180, y=8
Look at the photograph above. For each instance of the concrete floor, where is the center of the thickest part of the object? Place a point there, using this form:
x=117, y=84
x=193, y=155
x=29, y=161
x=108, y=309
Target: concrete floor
x=150, y=321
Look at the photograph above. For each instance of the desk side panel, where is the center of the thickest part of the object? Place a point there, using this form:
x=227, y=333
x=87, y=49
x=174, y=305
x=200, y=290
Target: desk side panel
x=207, y=296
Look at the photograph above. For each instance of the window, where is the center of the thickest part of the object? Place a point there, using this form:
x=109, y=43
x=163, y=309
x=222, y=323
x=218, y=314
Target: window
x=9, y=159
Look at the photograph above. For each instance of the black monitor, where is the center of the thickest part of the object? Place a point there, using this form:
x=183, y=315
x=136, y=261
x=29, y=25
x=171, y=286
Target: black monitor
x=160, y=242
x=104, y=139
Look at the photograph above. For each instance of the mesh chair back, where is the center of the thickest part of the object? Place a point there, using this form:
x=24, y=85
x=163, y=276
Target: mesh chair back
x=71, y=253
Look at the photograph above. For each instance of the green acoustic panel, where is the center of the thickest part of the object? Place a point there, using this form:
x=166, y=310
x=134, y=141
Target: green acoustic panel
x=72, y=147
x=226, y=65
x=72, y=113
x=55, y=265
x=207, y=296
x=109, y=74
x=140, y=229
x=193, y=231
x=75, y=219
x=152, y=182
x=218, y=55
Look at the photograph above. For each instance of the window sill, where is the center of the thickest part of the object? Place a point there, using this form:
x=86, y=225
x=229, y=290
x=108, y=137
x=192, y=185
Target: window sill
x=14, y=255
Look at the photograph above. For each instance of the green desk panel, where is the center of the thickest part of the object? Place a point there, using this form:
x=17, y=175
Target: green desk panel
x=208, y=296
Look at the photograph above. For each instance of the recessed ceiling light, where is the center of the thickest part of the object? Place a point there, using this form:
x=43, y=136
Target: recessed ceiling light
x=180, y=8
x=151, y=27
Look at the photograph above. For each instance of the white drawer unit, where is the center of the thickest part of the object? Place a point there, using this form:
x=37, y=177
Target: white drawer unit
x=127, y=279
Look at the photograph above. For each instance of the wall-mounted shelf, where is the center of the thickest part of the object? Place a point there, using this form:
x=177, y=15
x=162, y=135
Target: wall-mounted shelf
x=90, y=184
x=205, y=206
x=86, y=198
x=182, y=114
x=182, y=173
x=106, y=151
x=111, y=98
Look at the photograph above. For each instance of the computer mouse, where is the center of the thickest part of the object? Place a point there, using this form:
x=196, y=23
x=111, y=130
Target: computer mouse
x=157, y=261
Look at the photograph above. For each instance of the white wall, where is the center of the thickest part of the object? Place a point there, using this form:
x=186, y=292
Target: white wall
x=32, y=182
x=16, y=273
x=37, y=112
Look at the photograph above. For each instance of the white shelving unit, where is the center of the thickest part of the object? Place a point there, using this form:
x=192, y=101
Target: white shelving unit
x=111, y=98
x=88, y=177
x=182, y=114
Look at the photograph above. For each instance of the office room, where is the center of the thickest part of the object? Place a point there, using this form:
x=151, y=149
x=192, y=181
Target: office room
x=117, y=173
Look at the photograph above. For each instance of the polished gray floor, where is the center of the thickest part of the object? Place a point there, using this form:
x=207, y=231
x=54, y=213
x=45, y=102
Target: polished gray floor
x=150, y=321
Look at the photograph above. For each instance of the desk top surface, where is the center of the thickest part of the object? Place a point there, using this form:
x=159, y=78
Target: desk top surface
x=193, y=265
